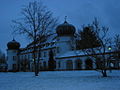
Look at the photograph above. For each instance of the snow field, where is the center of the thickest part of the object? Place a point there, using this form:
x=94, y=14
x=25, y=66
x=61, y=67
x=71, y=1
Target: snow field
x=60, y=80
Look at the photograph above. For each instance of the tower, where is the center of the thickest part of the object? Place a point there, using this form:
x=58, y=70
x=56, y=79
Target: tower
x=12, y=51
x=65, y=33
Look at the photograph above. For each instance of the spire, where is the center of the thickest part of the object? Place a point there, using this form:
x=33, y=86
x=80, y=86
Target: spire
x=13, y=39
x=65, y=19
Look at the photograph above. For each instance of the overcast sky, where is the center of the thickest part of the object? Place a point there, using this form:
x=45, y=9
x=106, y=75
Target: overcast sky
x=79, y=12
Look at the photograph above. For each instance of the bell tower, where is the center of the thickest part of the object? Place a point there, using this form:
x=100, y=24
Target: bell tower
x=12, y=51
x=65, y=33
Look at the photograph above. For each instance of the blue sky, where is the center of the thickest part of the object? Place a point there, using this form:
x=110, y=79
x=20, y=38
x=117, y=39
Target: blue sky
x=79, y=12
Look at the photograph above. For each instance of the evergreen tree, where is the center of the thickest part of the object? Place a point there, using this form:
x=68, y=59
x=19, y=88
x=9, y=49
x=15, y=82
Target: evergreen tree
x=95, y=42
x=88, y=38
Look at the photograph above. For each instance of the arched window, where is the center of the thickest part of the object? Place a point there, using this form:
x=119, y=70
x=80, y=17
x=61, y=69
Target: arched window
x=78, y=64
x=99, y=63
x=89, y=64
x=69, y=65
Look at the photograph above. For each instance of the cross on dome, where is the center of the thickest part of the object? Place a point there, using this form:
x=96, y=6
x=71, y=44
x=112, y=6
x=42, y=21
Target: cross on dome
x=65, y=18
x=65, y=29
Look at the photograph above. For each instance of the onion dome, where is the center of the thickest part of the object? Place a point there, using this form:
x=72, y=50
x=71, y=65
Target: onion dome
x=12, y=45
x=65, y=29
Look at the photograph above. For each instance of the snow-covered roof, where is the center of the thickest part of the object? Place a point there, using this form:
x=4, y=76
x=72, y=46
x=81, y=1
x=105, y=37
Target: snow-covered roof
x=51, y=39
x=71, y=54
x=77, y=53
x=49, y=46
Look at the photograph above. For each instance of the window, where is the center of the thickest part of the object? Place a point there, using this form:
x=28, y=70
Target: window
x=78, y=64
x=28, y=57
x=14, y=51
x=39, y=54
x=14, y=58
x=59, y=64
x=7, y=57
x=44, y=65
x=58, y=50
x=14, y=67
x=54, y=52
x=25, y=56
x=58, y=39
x=45, y=54
x=89, y=64
x=69, y=65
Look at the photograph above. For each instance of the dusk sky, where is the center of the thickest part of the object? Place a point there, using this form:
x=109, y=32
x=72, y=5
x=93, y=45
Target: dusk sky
x=79, y=12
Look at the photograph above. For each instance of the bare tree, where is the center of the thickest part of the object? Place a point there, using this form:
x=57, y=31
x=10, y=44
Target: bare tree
x=2, y=58
x=35, y=22
x=51, y=62
x=3, y=65
x=98, y=52
x=117, y=42
x=117, y=49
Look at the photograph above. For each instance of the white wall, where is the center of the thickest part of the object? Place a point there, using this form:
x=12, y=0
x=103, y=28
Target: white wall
x=10, y=61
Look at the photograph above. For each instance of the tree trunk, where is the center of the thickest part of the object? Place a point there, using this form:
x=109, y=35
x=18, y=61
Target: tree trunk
x=36, y=70
x=35, y=63
x=104, y=73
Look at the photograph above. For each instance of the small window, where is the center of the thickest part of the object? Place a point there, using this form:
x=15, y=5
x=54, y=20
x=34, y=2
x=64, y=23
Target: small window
x=58, y=39
x=29, y=56
x=14, y=66
x=45, y=54
x=14, y=58
x=39, y=54
x=59, y=64
x=7, y=57
x=58, y=50
x=14, y=51
x=54, y=52
x=44, y=65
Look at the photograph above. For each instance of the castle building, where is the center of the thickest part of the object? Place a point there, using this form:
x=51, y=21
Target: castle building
x=62, y=43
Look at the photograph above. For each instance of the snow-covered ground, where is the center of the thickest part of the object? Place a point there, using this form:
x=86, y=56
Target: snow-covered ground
x=60, y=80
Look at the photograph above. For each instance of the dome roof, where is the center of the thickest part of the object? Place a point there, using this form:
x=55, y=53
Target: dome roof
x=65, y=29
x=13, y=45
